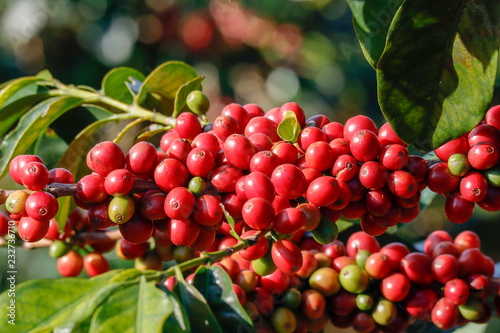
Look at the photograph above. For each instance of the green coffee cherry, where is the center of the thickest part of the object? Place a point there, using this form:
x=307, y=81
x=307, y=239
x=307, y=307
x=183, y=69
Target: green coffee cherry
x=364, y=302
x=459, y=164
x=197, y=185
x=326, y=232
x=121, y=209
x=361, y=258
x=292, y=298
x=384, y=312
x=354, y=279
x=198, y=102
x=15, y=202
x=265, y=265
x=493, y=176
x=472, y=310
x=283, y=320
x=58, y=248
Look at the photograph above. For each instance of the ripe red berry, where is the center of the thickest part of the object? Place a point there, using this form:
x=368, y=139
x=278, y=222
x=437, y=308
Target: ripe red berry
x=387, y=136
x=483, y=156
x=467, y=240
x=473, y=187
x=188, y=126
x=70, y=265
x=491, y=202
x=200, y=162
x=34, y=176
x=309, y=135
x=119, y=182
x=333, y=130
x=4, y=224
x=239, y=151
x=167, y=139
x=445, y=314
x=183, y=232
x=417, y=267
x=289, y=181
x=458, y=209
x=255, y=251
x=441, y=180
x=98, y=215
x=238, y=112
x=224, y=178
x=358, y=123
x=225, y=125
x=402, y=184
x=417, y=166
x=457, y=146
x=319, y=156
x=364, y=146
x=264, y=161
x=141, y=158
x=373, y=175
x=323, y=191
x=105, y=157
x=471, y=261
x=295, y=108
x=179, y=203
x=13, y=169
x=207, y=210
x=258, y=213
x=261, y=142
x=394, y=157
x=95, y=264
x=90, y=189
x=254, y=110
x=289, y=220
x=170, y=174
x=207, y=141
x=286, y=256
x=31, y=230
x=262, y=125
x=445, y=267
x=179, y=150
x=378, y=202
x=345, y=168
x=61, y=175
x=258, y=185
x=18, y=168
x=396, y=252
x=129, y=251
x=395, y=287
x=484, y=133
x=41, y=206
x=343, y=198
x=493, y=116
x=136, y=230
x=378, y=265
x=457, y=291
x=361, y=241
x=420, y=302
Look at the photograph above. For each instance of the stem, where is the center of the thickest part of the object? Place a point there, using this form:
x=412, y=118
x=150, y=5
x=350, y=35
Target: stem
x=99, y=237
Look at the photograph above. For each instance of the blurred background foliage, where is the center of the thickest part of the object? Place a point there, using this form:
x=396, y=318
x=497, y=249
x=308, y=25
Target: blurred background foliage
x=263, y=52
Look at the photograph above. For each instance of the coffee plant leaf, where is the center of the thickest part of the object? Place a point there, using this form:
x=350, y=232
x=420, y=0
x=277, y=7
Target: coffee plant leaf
x=114, y=83
x=436, y=75
x=50, y=147
x=183, y=92
x=289, y=127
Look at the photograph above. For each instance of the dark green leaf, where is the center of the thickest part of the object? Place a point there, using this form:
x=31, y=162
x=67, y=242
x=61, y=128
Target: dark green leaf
x=289, y=127
x=31, y=126
x=372, y=19
x=179, y=321
x=42, y=305
x=183, y=92
x=50, y=147
x=113, y=84
x=200, y=316
x=153, y=307
x=217, y=288
x=436, y=76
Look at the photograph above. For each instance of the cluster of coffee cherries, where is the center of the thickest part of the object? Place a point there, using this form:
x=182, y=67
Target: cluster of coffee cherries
x=469, y=172
x=367, y=287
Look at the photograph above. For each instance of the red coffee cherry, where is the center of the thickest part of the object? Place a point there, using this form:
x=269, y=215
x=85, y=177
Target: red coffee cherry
x=493, y=116
x=361, y=241
x=152, y=205
x=34, y=176
x=441, y=180
x=417, y=166
x=345, y=168
x=95, y=264
x=417, y=267
x=255, y=251
x=458, y=209
x=309, y=265
x=394, y=157
x=136, y=230
x=467, y=240
x=207, y=141
x=239, y=151
x=378, y=202
x=90, y=189
x=319, y=156
x=41, y=206
x=483, y=156
x=18, y=167
x=286, y=256
x=457, y=146
x=254, y=110
x=358, y=123
x=491, y=203
x=395, y=287
x=238, y=112
x=141, y=158
x=313, y=304
x=13, y=169
x=323, y=191
x=333, y=130
x=445, y=267
x=295, y=108
x=373, y=175
x=479, y=285
x=70, y=265
x=224, y=178
x=262, y=125
x=167, y=139
x=289, y=181
x=445, y=314
x=225, y=125
x=258, y=213
x=61, y=175
x=310, y=135
x=98, y=215
x=31, y=230
x=129, y=251
x=183, y=232
x=200, y=162
x=340, y=147
x=264, y=161
x=484, y=133
x=188, y=126
x=387, y=136
x=344, y=196
x=402, y=184
x=364, y=146
x=275, y=283
x=396, y=252
x=335, y=249
x=204, y=241
x=258, y=185
x=207, y=210
x=233, y=205
x=457, y=291
x=471, y=261
x=261, y=141
x=313, y=216
x=179, y=203
x=119, y=182
x=435, y=238
x=105, y=157
x=445, y=248
x=170, y=174
x=370, y=227
x=289, y=220
x=420, y=302
x=179, y=150
x=378, y=265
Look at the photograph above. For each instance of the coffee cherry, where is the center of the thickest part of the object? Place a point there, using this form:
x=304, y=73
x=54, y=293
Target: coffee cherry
x=247, y=280
x=105, y=157
x=183, y=232
x=395, y=287
x=255, y=251
x=152, y=205
x=262, y=300
x=387, y=136
x=467, y=240
x=457, y=208
x=224, y=178
x=333, y=130
x=90, y=189
x=459, y=165
x=4, y=224
x=441, y=180
x=289, y=221
x=197, y=102
x=179, y=150
x=361, y=258
x=361, y=241
x=457, y=291
x=473, y=187
x=483, y=156
x=444, y=314
x=41, y=206
x=373, y=175
x=420, y=302
x=237, y=112
x=254, y=110
x=207, y=210
x=323, y=191
x=119, y=182
x=491, y=202
x=95, y=264
x=457, y=146
x=200, y=162
x=473, y=310
x=258, y=185
x=309, y=264
x=13, y=169
x=179, y=203
x=141, y=158
x=417, y=267
x=136, y=230
x=364, y=146
x=319, y=156
x=31, y=230
x=402, y=184
x=265, y=162
x=21, y=163
x=99, y=217
x=313, y=304
x=58, y=248
x=310, y=135
x=393, y=157
x=445, y=248
x=275, y=283
x=188, y=126
x=170, y=174
x=261, y=142
x=287, y=256
x=263, y=125
x=484, y=133
x=354, y=279
x=471, y=261
x=121, y=209
x=239, y=151
x=343, y=303
x=345, y=168
x=34, y=176
x=384, y=312
x=16, y=202
x=296, y=109
x=289, y=181
x=61, y=175
x=264, y=265
x=70, y=265
x=357, y=123
x=378, y=265
x=326, y=281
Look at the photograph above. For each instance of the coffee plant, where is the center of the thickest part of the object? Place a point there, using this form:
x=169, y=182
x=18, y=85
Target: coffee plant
x=232, y=222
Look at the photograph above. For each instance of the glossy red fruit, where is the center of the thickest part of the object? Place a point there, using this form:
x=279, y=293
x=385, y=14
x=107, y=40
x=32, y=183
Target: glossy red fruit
x=395, y=287
x=179, y=149
x=435, y=238
x=345, y=168
x=333, y=130
x=467, y=240
x=445, y=248
x=319, y=156
x=396, y=252
x=141, y=158
x=41, y=206
x=378, y=265
x=129, y=251
x=179, y=203
x=188, y=126
x=457, y=291
x=361, y=241
x=258, y=185
x=491, y=202
x=335, y=249
x=200, y=162
x=457, y=208
x=183, y=232
x=170, y=174
x=225, y=125
x=417, y=166
x=224, y=178
x=167, y=139
x=310, y=135
x=445, y=267
x=286, y=152
x=95, y=264
x=313, y=304
x=152, y=205
x=70, y=265
x=13, y=169
x=483, y=155
x=295, y=108
x=365, y=146
x=261, y=142
x=207, y=141
x=289, y=181
x=61, y=175
x=457, y=146
x=344, y=196
x=258, y=213
x=378, y=202
x=320, y=121
x=238, y=112
x=471, y=261
x=373, y=175
x=119, y=182
x=357, y=123
x=417, y=267
x=99, y=216
x=255, y=251
x=323, y=191
x=371, y=227
x=387, y=136
x=254, y=110
x=233, y=205
x=275, y=283
x=204, y=240
x=136, y=230
x=262, y=125
x=91, y=189
x=239, y=151
x=484, y=133
x=340, y=147
x=441, y=180
x=31, y=230
x=473, y=187
x=289, y=220
x=445, y=314
x=207, y=210
x=493, y=116
x=286, y=256
x=264, y=161
x=393, y=157
x=52, y=234
x=105, y=157
x=402, y=184
x=420, y=302
x=479, y=285
x=309, y=265
x=34, y=176
x=18, y=167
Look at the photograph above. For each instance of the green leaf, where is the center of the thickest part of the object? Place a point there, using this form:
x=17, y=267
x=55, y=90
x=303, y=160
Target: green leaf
x=50, y=147
x=217, y=288
x=153, y=307
x=372, y=19
x=231, y=222
x=150, y=131
x=183, y=92
x=179, y=321
x=42, y=305
x=125, y=275
x=436, y=75
x=164, y=81
x=343, y=224
x=31, y=126
x=201, y=318
x=113, y=83
x=289, y=127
